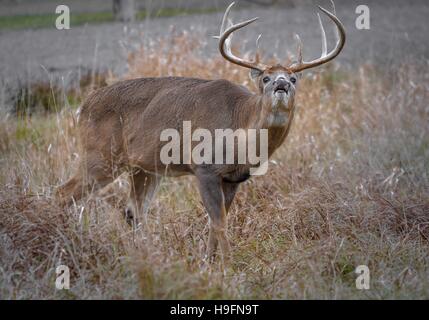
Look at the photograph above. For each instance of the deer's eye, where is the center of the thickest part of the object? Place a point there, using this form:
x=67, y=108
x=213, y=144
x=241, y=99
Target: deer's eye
x=266, y=79
x=293, y=80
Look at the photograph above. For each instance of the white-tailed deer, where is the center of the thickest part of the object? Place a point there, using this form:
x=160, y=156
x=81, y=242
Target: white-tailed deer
x=120, y=128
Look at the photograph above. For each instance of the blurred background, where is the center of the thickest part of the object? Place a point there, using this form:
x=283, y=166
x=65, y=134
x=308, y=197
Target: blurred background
x=103, y=33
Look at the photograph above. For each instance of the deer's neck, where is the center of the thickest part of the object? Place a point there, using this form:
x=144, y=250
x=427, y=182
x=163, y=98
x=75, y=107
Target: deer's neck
x=260, y=113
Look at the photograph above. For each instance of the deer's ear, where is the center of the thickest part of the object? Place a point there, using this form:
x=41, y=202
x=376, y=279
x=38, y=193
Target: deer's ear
x=254, y=73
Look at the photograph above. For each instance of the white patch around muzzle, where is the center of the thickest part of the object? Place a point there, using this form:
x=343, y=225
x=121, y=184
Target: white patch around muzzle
x=281, y=97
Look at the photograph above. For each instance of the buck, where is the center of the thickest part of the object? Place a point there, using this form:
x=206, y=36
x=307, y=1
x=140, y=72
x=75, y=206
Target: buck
x=120, y=127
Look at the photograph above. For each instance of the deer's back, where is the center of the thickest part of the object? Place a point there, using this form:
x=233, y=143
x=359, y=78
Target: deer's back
x=133, y=113
x=171, y=93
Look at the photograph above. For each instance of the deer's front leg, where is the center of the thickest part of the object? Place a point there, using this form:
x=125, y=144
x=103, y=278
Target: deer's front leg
x=210, y=186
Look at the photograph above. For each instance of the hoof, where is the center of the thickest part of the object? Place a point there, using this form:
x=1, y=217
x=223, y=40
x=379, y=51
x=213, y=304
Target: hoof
x=130, y=218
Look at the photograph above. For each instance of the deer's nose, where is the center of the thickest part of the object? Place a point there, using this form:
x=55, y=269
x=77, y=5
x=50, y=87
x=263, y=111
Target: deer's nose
x=281, y=83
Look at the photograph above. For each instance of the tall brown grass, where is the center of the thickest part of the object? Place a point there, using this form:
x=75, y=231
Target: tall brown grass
x=349, y=187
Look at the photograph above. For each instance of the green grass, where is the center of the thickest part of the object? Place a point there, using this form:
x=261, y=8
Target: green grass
x=47, y=20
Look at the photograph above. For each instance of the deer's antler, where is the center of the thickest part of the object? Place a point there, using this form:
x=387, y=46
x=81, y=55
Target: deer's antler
x=225, y=36
x=325, y=57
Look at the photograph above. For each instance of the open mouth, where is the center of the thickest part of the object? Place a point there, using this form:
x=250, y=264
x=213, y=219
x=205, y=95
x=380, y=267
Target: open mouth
x=280, y=90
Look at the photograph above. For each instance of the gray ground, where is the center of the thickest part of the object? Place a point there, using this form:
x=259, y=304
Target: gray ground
x=399, y=30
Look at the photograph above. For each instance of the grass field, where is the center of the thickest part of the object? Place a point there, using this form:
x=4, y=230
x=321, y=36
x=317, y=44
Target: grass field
x=349, y=187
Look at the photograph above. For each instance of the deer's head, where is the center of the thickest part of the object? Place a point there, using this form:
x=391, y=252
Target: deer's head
x=278, y=82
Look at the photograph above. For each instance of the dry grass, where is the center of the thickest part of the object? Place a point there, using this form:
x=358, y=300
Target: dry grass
x=349, y=187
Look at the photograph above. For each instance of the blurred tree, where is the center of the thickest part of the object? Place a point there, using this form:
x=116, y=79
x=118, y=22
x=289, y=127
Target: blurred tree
x=124, y=10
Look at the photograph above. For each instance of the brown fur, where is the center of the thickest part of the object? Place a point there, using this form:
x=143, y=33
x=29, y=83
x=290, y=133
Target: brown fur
x=120, y=129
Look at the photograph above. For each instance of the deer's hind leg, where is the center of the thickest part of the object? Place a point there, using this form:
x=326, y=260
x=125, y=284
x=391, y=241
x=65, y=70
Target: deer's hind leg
x=89, y=177
x=144, y=186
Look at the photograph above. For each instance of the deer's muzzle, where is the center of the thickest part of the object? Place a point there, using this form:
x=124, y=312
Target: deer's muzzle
x=282, y=85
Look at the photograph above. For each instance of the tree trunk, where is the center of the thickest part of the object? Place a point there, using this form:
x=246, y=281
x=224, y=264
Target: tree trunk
x=124, y=10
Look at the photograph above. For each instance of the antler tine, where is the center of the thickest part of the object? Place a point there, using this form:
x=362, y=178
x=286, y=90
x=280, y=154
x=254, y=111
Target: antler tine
x=257, y=48
x=225, y=19
x=324, y=44
x=299, y=44
x=228, y=41
x=337, y=35
x=225, y=42
x=333, y=8
x=325, y=57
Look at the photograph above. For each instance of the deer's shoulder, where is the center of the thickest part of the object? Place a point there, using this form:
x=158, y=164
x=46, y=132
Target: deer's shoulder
x=225, y=88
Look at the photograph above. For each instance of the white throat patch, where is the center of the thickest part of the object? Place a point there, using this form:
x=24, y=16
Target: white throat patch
x=278, y=119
